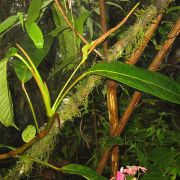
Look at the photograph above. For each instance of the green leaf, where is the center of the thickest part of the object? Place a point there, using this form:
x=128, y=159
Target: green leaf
x=11, y=52
x=138, y=78
x=79, y=23
x=116, y=5
x=35, y=34
x=162, y=157
x=37, y=56
x=56, y=31
x=33, y=11
x=7, y=23
x=29, y=133
x=6, y=106
x=67, y=38
x=20, y=16
x=83, y=171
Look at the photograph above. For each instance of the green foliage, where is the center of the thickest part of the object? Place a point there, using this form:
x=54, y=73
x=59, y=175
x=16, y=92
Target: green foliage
x=28, y=133
x=143, y=80
x=6, y=106
x=33, y=11
x=83, y=171
x=37, y=56
x=7, y=23
x=148, y=139
x=32, y=28
x=35, y=34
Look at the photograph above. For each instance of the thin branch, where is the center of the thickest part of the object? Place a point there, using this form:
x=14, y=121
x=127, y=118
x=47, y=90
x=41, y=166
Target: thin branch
x=137, y=95
x=112, y=30
x=30, y=143
x=104, y=27
x=72, y=27
x=111, y=94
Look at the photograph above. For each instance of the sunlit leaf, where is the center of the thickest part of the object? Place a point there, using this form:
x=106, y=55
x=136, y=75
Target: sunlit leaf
x=33, y=11
x=6, y=106
x=35, y=34
x=7, y=23
x=29, y=133
x=141, y=79
x=83, y=171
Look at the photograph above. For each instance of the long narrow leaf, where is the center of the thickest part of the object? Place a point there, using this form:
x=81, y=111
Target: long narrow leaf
x=83, y=171
x=35, y=34
x=138, y=78
x=8, y=23
x=33, y=11
x=6, y=106
x=37, y=56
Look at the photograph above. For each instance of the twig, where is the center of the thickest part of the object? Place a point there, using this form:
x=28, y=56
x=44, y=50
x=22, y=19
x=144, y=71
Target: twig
x=137, y=95
x=112, y=30
x=72, y=27
x=30, y=143
x=104, y=28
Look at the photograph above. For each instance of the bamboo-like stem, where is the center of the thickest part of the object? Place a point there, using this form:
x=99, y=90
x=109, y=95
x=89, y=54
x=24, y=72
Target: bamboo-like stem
x=111, y=93
x=137, y=95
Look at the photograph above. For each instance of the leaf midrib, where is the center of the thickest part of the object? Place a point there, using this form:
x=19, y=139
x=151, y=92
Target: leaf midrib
x=132, y=78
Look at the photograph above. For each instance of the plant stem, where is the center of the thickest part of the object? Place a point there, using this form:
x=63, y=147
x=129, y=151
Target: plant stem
x=31, y=107
x=42, y=86
x=44, y=163
x=61, y=95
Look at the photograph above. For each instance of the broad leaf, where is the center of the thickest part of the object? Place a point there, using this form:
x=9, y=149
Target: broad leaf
x=138, y=78
x=28, y=133
x=6, y=106
x=35, y=34
x=37, y=56
x=83, y=171
x=33, y=11
x=8, y=23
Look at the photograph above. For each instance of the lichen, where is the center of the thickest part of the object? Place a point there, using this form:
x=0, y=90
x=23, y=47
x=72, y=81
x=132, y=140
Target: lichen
x=40, y=150
x=133, y=38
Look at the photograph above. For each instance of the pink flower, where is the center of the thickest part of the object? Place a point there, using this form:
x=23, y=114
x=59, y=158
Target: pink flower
x=132, y=170
x=120, y=176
